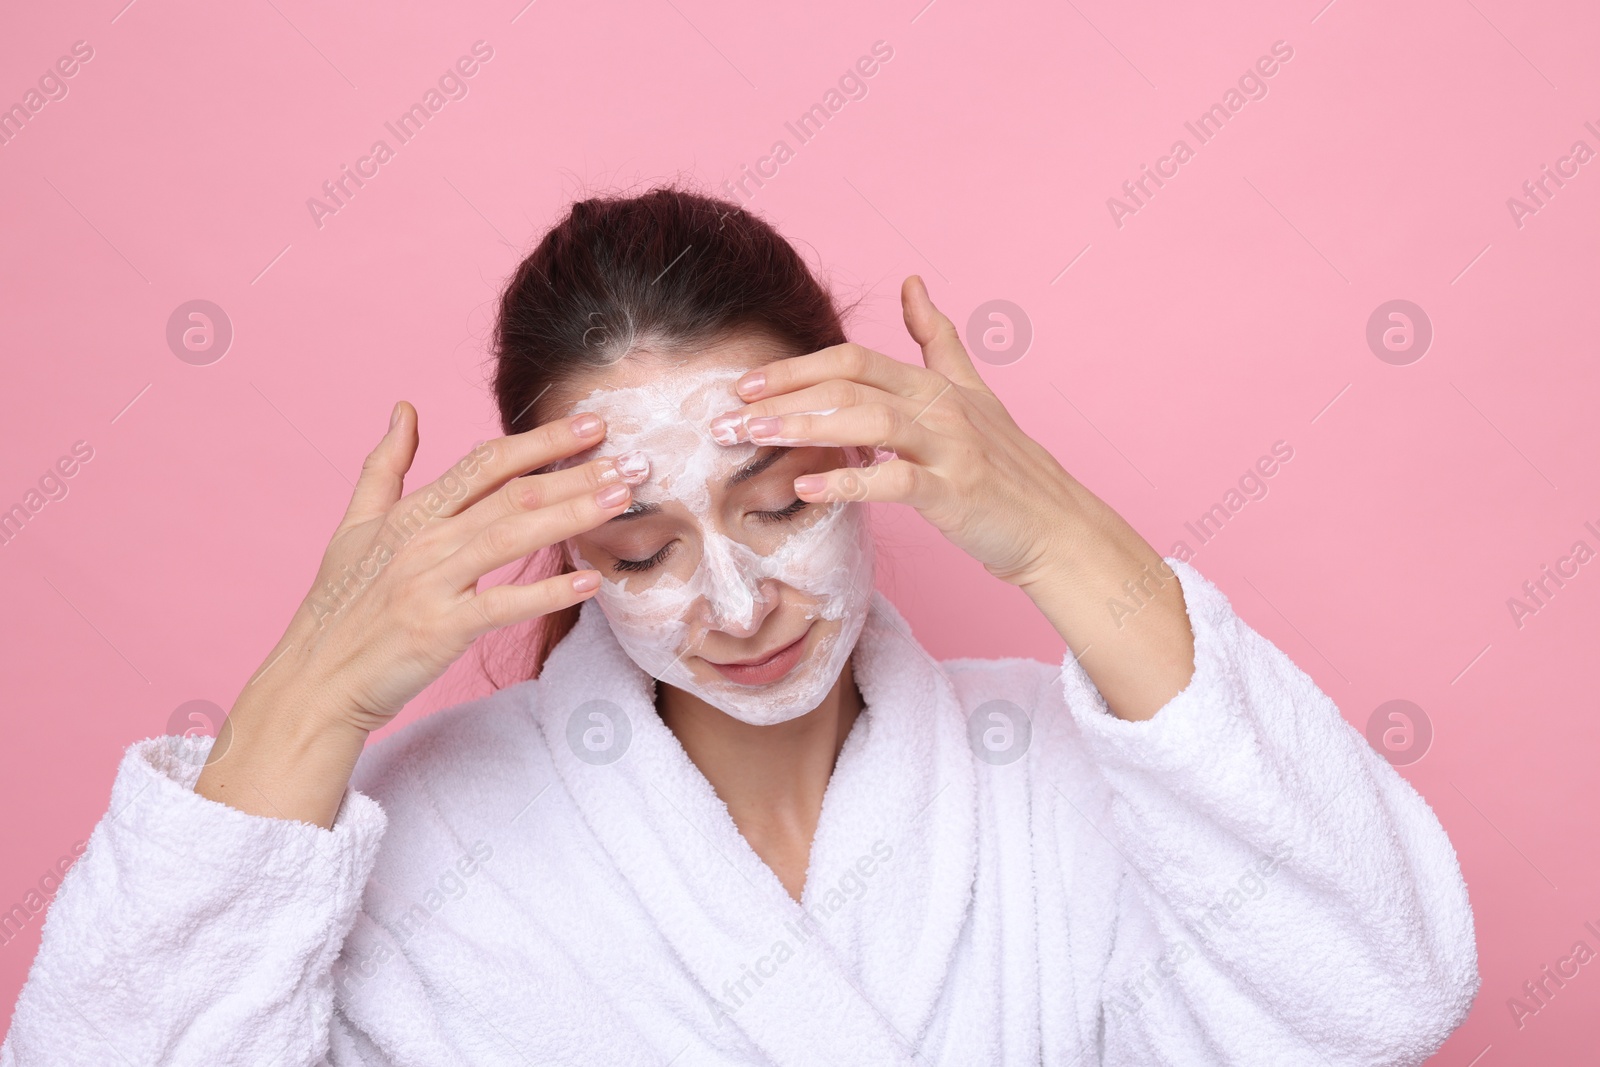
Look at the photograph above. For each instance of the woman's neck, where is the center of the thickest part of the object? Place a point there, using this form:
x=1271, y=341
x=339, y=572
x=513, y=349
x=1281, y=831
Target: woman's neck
x=771, y=777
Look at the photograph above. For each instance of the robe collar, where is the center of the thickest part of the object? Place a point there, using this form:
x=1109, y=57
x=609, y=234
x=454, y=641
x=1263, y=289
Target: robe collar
x=853, y=972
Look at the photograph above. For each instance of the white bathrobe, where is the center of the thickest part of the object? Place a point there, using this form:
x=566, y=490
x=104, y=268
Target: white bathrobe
x=1003, y=873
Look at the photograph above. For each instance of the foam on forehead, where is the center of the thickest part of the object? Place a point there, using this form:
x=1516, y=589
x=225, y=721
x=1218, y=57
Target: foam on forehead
x=668, y=418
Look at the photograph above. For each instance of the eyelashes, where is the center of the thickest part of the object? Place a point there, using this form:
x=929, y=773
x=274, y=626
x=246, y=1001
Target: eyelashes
x=783, y=514
x=644, y=564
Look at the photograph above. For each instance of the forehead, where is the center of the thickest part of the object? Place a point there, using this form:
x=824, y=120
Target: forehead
x=646, y=366
x=665, y=411
x=672, y=408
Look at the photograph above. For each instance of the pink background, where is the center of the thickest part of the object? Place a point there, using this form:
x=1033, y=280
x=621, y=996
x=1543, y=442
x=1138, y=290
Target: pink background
x=1227, y=314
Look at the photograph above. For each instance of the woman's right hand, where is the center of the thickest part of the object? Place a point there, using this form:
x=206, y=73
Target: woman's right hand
x=395, y=602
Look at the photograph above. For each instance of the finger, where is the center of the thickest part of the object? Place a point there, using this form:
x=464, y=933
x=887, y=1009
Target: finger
x=511, y=538
x=492, y=463
x=509, y=604
x=897, y=481
x=942, y=350
x=872, y=424
x=850, y=361
x=383, y=472
x=535, y=491
x=826, y=398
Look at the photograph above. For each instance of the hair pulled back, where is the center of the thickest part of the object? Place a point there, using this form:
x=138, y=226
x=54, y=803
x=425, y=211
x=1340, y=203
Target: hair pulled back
x=670, y=271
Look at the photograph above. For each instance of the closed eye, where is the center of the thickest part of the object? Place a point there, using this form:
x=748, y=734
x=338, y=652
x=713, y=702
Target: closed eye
x=782, y=514
x=644, y=564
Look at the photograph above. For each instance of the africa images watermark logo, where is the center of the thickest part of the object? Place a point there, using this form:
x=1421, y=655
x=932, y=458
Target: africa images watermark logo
x=338, y=592
x=850, y=86
x=1251, y=85
x=51, y=486
x=846, y=888
x=452, y=884
x=453, y=84
x=51, y=86
x=1136, y=991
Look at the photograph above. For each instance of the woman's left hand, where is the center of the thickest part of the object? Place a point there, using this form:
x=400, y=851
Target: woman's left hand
x=965, y=465
x=960, y=459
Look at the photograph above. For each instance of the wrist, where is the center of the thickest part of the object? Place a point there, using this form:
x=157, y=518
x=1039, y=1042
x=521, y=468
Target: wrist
x=1086, y=542
x=282, y=754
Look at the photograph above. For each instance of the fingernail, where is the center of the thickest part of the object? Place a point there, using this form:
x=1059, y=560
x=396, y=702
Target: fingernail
x=810, y=483
x=586, y=425
x=752, y=383
x=584, y=582
x=611, y=495
x=633, y=465
x=394, y=416
x=763, y=426
x=725, y=429
x=608, y=472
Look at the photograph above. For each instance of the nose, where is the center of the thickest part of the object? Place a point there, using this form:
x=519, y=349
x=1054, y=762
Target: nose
x=737, y=601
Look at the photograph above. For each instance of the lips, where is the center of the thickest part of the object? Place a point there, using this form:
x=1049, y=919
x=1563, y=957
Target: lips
x=767, y=669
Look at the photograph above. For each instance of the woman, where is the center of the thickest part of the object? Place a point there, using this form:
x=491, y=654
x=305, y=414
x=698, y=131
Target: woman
x=740, y=815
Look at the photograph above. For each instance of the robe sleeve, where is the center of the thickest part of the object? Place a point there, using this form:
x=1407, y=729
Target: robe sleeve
x=1281, y=893
x=190, y=932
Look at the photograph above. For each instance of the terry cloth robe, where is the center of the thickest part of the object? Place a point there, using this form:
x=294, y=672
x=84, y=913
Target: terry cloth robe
x=1003, y=873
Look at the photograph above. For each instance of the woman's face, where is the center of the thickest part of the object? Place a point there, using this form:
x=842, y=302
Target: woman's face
x=718, y=579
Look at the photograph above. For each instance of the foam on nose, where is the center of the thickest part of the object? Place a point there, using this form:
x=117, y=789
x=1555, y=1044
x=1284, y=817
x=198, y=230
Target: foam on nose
x=732, y=585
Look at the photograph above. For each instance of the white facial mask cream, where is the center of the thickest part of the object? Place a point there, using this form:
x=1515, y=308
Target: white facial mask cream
x=660, y=616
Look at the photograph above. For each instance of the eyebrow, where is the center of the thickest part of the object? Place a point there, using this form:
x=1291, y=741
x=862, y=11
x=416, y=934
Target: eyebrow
x=762, y=460
x=757, y=465
x=637, y=510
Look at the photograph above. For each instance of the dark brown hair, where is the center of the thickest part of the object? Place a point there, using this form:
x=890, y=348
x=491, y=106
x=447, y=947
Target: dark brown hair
x=670, y=270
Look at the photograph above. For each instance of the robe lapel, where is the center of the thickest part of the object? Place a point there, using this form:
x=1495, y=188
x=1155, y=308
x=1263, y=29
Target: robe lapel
x=854, y=974
x=892, y=866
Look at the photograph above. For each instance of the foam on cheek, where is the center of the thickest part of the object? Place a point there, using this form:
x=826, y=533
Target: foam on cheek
x=828, y=561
